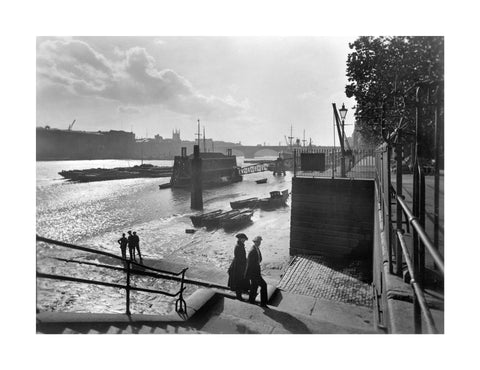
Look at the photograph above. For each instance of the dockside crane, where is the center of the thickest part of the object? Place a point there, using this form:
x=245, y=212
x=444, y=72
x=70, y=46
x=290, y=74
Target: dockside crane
x=71, y=125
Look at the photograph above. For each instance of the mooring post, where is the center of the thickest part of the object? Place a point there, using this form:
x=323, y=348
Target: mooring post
x=196, y=192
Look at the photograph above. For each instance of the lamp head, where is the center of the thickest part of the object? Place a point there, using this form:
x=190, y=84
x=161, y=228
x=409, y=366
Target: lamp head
x=343, y=111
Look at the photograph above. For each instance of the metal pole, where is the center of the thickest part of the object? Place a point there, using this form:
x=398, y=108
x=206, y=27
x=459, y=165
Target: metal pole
x=398, y=251
x=128, y=288
x=387, y=206
x=416, y=209
x=421, y=259
x=437, y=177
x=333, y=152
x=294, y=162
x=342, y=161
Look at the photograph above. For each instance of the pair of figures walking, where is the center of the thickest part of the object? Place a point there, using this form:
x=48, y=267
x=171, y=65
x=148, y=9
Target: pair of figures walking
x=244, y=273
x=133, y=243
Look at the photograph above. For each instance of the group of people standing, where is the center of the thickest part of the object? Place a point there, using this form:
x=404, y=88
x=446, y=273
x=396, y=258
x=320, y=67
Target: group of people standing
x=244, y=273
x=133, y=244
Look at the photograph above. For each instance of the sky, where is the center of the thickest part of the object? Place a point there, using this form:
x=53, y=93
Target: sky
x=248, y=89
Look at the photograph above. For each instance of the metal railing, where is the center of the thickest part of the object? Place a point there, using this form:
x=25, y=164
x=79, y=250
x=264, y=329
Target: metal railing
x=397, y=246
x=327, y=162
x=129, y=269
x=428, y=106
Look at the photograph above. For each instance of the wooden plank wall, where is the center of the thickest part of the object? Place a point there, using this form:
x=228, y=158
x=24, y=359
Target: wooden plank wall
x=332, y=217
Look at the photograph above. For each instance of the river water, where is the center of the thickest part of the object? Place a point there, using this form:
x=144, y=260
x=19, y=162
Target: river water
x=96, y=214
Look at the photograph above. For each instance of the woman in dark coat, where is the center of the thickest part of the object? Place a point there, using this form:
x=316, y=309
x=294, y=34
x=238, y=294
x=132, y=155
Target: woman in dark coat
x=236, y=271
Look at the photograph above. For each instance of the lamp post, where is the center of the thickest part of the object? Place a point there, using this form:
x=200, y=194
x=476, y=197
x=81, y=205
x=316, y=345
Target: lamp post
x=343, y=113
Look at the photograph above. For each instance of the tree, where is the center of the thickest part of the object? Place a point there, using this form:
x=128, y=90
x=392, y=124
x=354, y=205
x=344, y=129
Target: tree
x=381, y=72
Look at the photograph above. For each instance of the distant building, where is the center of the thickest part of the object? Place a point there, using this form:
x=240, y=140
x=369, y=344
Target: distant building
x=57, y=144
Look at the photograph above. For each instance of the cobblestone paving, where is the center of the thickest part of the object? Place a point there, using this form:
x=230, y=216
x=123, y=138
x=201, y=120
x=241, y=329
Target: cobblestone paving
x=311, y=276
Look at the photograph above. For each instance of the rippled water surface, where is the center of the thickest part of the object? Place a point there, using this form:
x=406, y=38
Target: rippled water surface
x=95, y=214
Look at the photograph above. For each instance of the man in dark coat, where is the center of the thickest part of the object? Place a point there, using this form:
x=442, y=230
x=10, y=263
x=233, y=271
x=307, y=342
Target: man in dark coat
x=136, y=240
x=131, y=246
x=123, y=245
x=254, y=275
x=236, y=271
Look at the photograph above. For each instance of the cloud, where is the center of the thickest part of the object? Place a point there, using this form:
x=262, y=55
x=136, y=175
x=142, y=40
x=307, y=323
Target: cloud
x=132, y=79
x=128, y=110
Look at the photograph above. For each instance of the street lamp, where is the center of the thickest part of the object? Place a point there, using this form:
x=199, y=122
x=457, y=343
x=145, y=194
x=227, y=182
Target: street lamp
x=343, y=113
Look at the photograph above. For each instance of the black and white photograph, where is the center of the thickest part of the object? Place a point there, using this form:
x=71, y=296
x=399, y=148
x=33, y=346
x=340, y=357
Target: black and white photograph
x=249, y=185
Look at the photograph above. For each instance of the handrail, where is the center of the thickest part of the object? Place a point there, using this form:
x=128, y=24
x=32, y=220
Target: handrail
x=180, y=304
x=422, y=234
x=418, y=290
x=86, y=249
x=150, y=274
x=97, y=282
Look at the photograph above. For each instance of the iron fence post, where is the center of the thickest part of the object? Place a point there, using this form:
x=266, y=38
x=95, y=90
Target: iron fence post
x=294, y=162
x=180, y=304
x=399, y=159
x=438, y=127
x=387, y=200
x=421, y=259
x=128, y=288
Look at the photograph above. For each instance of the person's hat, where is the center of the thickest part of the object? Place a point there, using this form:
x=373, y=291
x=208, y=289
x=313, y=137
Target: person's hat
x=134, y=232
x=241, y=235
x=257, y=239
x=129, y=231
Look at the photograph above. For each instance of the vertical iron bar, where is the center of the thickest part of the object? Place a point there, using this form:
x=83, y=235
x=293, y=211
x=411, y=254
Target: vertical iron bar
x=294, y=162
x=421, y=251
x=437, y=176
x=333, y=162
x=128, y=288
x=416, y=263
x=387, y=200
x=416, y=307
x=399, y=158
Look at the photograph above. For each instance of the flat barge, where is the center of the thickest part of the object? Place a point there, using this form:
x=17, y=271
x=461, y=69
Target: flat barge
x=118, y=173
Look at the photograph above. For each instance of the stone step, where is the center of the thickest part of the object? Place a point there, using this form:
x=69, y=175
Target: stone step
x=325, y=310
x=229, y=316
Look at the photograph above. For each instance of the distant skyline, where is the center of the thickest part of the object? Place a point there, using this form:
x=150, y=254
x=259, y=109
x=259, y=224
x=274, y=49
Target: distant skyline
x=248, y=89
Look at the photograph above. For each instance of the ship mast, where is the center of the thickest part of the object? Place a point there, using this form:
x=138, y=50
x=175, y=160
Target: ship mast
x=198, y=132
x=204, y=145
x=291, y=136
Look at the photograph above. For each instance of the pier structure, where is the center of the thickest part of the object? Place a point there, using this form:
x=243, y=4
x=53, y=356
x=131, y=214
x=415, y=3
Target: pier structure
x=196, y=201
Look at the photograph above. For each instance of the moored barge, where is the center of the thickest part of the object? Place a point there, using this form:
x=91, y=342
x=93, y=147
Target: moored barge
x=217, y=169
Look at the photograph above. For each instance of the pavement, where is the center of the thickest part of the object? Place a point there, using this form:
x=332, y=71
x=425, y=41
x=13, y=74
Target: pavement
x=213, y=313
x=318, y=277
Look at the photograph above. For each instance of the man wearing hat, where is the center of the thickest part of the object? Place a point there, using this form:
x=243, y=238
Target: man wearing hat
x=131, y=245
x=236, y=271
x=253, y=273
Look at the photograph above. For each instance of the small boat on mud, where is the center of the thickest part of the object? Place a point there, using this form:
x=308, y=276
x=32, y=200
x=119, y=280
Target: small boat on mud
x=220, y=218
x=261, y=181
x=198, y=220
x=240, y=219
x=276, y=199
x=245, y=203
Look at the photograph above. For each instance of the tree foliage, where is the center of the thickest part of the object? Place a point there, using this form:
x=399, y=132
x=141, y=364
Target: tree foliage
x=382, y=71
